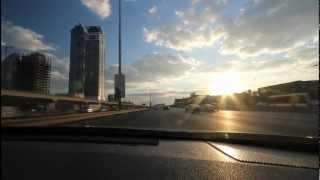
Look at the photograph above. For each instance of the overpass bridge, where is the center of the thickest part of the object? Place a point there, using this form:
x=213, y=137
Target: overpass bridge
x=14, y=98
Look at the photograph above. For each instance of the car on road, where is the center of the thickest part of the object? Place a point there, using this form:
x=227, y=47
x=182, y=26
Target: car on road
x=193, y=108
x=209, y=108
x=157, y=106
x=166, y=107
x=90, y=108
x=104, y=109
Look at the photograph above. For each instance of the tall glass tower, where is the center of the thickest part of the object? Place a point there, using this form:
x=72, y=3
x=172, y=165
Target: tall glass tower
x=87, y=61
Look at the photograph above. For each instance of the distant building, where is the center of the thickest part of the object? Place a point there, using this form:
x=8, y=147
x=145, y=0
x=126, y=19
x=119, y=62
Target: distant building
x=310, y=87
x=182, y=102
x=87, y=61
x=35, y=72
x=9, y=72
x=26, y=73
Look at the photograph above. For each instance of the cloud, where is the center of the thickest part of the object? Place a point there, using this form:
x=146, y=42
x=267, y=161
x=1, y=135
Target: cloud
x=263, y=71
x=194, y=29
x=162, y=66
x=270, y=27
x=23, y=38
x=156, y=98
x=182, y=39
x=153, y=11
x=100, y=7
x=305, y=53
x=260, y=27
x=58, y=83
x=58, y=75
x=61, y=66
x=194, y=2
x=270, y=42
x=154, y=70
x=173, y=72
x=59, y=78
x=156, y=67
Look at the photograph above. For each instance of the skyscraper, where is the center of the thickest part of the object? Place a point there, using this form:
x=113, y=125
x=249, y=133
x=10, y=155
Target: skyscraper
x=94, y=80
x=77, y=61
x=87, y=72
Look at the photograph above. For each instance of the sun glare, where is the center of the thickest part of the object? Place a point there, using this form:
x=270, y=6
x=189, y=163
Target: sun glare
x=226, y=83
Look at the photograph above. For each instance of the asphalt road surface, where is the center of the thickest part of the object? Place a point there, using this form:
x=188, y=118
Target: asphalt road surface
x=279, y=123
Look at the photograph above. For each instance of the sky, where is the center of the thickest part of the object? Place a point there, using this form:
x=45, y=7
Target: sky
x=172, y=48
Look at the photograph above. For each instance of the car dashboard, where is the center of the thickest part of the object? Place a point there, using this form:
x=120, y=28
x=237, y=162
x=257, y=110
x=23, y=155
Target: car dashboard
x=166, y=159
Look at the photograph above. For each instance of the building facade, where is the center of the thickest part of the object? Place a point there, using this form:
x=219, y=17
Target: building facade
x=26, y=73
x=35, y=72
x=87, y=63
x=77, y=61
x=9, y=72
x=309, y=87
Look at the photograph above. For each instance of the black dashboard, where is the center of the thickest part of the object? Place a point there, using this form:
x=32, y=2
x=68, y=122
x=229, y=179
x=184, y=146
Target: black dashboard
x=166, y=159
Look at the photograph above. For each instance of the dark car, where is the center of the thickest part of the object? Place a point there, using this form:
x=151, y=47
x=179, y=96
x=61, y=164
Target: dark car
x=166, y=107
x=193, y=108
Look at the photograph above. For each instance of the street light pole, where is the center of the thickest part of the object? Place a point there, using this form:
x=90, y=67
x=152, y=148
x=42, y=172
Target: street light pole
x=149, y=98
x=119, y=67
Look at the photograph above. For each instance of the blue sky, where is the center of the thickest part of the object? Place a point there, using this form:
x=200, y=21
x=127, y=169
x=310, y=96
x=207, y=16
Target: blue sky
x=54, y=19
x=177, y=46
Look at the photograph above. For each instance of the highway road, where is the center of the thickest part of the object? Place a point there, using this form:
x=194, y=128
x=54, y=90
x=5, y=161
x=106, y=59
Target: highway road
x=54, y=120
x=279, y=123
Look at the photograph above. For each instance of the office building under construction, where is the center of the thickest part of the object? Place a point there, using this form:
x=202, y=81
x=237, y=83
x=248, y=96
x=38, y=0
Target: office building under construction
x=26, y=73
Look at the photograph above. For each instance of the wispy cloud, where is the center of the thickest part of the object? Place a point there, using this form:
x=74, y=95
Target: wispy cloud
x=163, y=72
x=153, y=11
x=153, y=71
x=271, y=26
x=156, y=67
x=59, y=76
x=194, y=29
x=23, y=38
x=262, y=27
x=100, y=7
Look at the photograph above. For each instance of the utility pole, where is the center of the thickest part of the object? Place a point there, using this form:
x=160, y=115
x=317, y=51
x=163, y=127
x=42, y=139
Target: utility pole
x=119, y=70
x=149, y=99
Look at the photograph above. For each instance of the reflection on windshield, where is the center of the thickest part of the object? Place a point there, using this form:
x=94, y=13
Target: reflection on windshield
x=242, y=66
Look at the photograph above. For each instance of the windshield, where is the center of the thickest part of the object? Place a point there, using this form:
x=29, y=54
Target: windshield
x=245, y=66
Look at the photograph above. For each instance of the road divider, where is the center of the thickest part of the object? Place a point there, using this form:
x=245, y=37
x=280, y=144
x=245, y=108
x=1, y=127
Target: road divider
x=62, y=119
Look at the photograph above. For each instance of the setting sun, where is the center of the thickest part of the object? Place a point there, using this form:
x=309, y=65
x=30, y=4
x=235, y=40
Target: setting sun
x=226, y=83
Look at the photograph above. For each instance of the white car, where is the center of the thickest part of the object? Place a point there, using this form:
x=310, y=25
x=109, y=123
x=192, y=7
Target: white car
x=104, y=109
x=209, y=108
x=193, y=108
